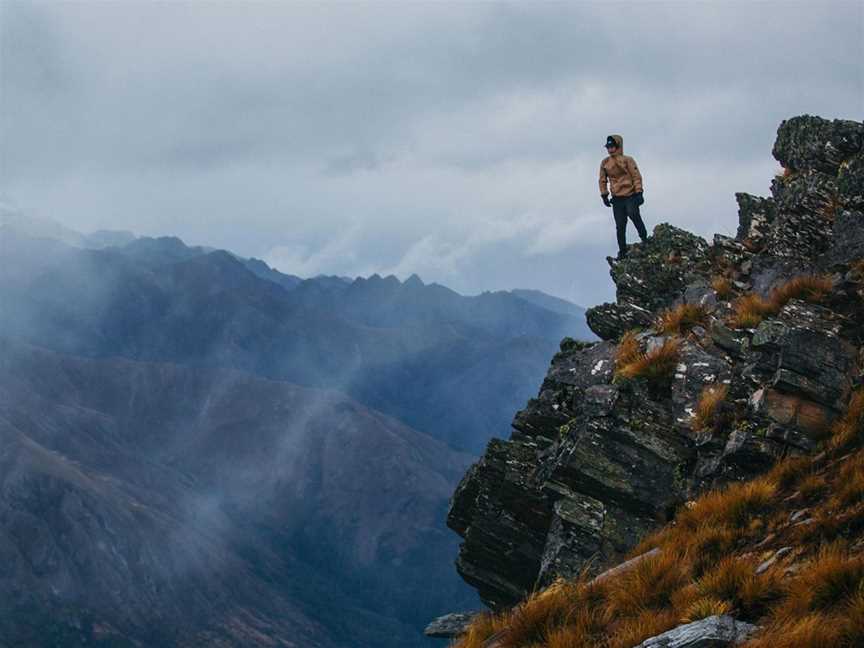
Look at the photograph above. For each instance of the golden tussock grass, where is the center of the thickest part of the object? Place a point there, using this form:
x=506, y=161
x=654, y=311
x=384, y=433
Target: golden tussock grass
x=788, y=472
x=749, y=310
x=632, y=631
x=628, y=349
x=848, y=431
x=706, y=565
x=681, y=318
x=704, y=607
x=734, y=505
x=722, y=286
x=655, y=365
x=706, y=408
x=823, y=605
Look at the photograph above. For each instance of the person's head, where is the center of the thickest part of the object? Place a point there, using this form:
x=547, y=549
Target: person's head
x=613, y=144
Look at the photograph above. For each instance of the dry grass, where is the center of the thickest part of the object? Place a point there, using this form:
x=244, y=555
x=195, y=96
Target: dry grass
x=706, y=565
x=655, y=366
x=722, y=286
x=705, y=607
x=811, y=288
x=628, y=349
x=848, y=431
x=733, y=506
x=821, y=606
x=787, y=473
x=706, y=413
x=681, y=318
x=749, y=310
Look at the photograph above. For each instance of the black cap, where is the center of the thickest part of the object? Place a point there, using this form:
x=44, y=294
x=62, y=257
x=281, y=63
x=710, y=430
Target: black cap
x=610, y=141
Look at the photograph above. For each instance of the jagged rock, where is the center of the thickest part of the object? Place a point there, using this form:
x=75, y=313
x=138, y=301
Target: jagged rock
x=731, y=341
x=586, y=531
x=450, y=625
x=594, y=462
x=711, y=632
x=561, y=394
x=850, y=183
x=749, y=453
x=755, y=216
x=611, y=321
x=847, y=240
x=653, y=275
x=809, y=357
x=504, y=519
x=808, y=142
x=802, y=230
x=811, y=192
x=696, y=370
x=793, y=411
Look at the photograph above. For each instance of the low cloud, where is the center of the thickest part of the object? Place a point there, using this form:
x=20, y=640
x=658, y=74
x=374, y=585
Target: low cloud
x=458, y=141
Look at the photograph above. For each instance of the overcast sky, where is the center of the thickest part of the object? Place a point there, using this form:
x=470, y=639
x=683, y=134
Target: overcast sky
x=458, y=141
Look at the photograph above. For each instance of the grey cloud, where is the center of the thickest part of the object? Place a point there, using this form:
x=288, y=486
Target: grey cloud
x=355, y=138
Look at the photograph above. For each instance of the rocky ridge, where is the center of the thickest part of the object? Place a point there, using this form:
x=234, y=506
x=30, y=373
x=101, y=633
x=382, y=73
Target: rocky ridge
x=595, y=461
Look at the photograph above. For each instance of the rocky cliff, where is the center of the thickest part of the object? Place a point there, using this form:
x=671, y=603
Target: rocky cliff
x=717, y=359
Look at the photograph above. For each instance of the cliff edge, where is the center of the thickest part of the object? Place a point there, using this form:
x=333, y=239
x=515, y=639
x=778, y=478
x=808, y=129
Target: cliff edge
x=717, y=360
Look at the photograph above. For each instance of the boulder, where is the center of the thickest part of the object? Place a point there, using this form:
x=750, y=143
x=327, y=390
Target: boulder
x=808, y=142
x=611, y=321
x=654, y=274
x=755, y=216
x=450, y=625
x=711, y=632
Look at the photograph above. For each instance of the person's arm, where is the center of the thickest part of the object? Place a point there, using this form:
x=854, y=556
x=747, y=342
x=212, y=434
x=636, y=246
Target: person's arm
x=604, y=190
x=633, y=168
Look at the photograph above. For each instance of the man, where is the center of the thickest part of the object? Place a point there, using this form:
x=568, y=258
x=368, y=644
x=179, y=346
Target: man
x=625, y=182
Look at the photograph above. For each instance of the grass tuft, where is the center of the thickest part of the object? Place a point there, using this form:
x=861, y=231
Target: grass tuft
x=749, y=310
x=628, y=349
x=681, y=318
x=722, y=286
x=655, y=366
x=706, y=413
x=848, y=431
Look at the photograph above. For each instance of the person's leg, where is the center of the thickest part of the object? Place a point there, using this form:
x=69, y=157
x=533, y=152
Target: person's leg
x=619, y=210
x=636, y=217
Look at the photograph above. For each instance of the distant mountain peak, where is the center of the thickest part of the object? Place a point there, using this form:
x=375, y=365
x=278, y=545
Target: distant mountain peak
x=414, y=280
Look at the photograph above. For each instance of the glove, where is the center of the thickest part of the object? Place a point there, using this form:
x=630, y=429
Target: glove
x=639, y=199
x=605, y=198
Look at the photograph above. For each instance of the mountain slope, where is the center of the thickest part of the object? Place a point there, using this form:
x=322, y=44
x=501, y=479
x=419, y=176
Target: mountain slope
x=376, y=338
x=175, y=506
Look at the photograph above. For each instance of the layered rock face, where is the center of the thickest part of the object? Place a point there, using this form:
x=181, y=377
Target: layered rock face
x=595, y=460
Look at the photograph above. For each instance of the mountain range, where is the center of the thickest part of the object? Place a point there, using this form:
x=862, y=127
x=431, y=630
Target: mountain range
x=196, y=448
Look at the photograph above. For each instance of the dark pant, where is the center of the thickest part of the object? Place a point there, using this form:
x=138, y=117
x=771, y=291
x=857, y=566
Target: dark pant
x=624, y=208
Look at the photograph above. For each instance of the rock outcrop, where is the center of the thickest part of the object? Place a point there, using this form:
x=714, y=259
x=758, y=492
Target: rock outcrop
x=596, y=460
x=711, y=632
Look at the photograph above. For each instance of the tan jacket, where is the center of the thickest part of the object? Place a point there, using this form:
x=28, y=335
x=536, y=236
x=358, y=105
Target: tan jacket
x=621, y=172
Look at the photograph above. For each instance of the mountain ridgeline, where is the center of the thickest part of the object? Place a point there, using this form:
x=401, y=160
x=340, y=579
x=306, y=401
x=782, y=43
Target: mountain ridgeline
x=416, y=351
x=196, y=449
x=717, y=360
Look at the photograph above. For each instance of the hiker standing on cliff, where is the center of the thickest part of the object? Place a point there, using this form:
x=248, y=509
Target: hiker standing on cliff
x=625, y=182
